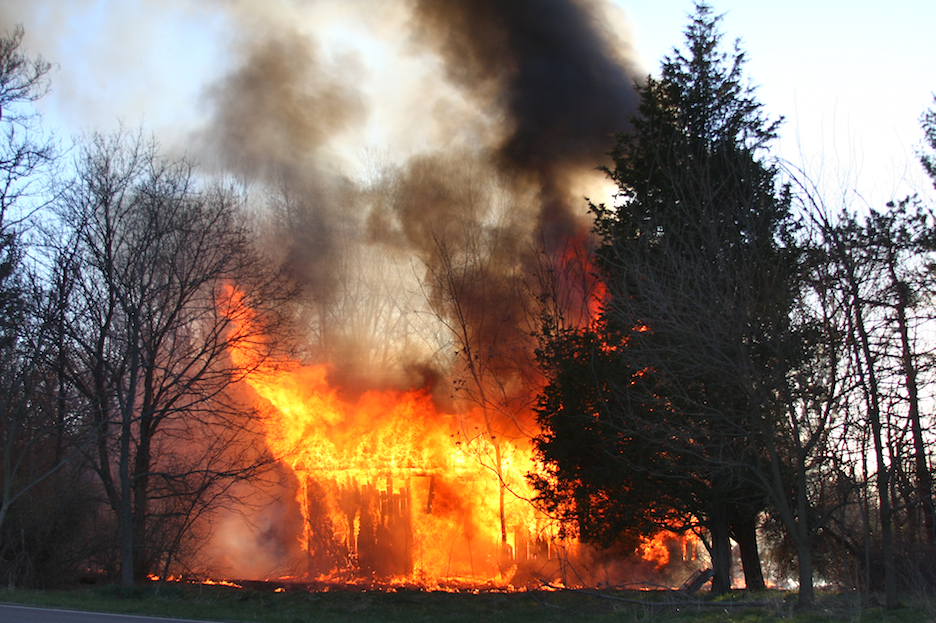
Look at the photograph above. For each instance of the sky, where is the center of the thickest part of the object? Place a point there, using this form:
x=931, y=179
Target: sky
x=850, y=78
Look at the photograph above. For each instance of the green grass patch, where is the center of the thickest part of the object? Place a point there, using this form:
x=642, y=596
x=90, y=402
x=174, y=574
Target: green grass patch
x=219, y=603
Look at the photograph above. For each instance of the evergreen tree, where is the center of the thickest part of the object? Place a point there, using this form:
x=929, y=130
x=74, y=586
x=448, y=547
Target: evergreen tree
x=928, y=152
x=690, y=346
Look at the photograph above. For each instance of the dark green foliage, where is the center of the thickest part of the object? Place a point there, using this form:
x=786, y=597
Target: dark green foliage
x=580, y=436
x=928, y=154
x=35, y=548
x=47, y=535
x=689, y=349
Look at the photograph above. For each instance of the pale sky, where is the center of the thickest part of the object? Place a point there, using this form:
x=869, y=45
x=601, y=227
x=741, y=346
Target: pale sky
x=851, y=78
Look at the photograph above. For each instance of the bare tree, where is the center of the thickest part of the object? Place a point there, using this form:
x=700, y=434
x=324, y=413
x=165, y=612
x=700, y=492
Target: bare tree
x=32, y=445
x=798, y=436
x=476, y=267
x=880, y=266
x=494, y=355
x=164, y=267
x=23, y=152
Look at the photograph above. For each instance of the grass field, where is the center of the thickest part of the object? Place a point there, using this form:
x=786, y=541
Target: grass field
x=221, y=603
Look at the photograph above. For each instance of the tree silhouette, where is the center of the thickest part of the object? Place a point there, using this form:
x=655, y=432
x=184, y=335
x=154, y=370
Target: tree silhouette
x=686, y=351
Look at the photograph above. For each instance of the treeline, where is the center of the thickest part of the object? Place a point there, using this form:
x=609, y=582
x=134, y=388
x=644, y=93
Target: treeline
x=760, y=367
x=125, y=280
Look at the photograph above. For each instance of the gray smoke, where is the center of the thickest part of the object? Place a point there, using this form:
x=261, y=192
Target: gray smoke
x=522, y=95
x=549, y=85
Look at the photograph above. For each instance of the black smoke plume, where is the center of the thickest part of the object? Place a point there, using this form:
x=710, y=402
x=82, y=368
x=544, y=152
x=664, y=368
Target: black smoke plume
x=552, y=69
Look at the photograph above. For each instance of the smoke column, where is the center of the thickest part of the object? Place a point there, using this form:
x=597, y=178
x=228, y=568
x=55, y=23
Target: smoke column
x=529, y=97
x=558, y=85
x=551, y=67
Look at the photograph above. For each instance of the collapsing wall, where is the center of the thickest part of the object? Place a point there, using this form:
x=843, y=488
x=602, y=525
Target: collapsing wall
x=376, y=536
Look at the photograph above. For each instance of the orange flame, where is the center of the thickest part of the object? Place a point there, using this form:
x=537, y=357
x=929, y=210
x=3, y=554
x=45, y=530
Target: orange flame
x=386, y=484
x=391, y=488
x=655, y=550
x=666, y=546
x=210, y=582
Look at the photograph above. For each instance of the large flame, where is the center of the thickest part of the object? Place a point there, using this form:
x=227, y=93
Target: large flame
x=389, y=486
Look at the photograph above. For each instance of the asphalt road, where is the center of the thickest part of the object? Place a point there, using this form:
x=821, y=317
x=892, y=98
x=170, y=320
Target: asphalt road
x=26, y=614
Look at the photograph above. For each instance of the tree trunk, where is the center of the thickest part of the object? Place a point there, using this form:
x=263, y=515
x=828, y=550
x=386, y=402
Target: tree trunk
x=883, y=472
x=505, y=558
x=141, y=484
x=924, y=481
x=744, y=531
x=126, y=507
x=720, y=530
x=807, y=593
x=142, y=553
x=804, y=544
